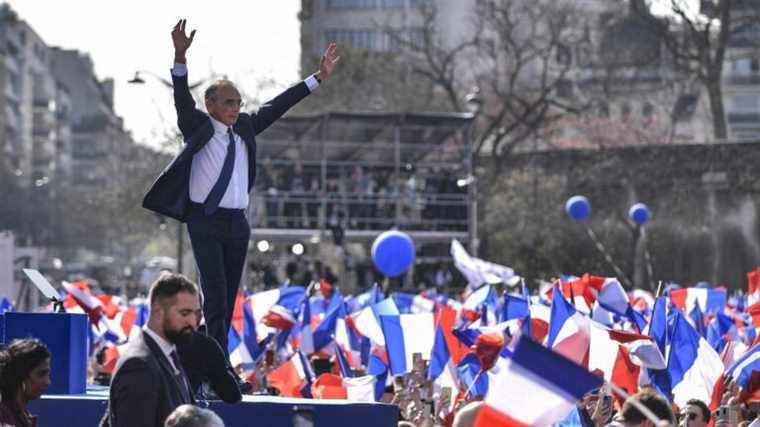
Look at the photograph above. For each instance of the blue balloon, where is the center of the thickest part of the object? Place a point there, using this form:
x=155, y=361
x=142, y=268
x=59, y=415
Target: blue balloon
x=578, y=208
x=639, y=213
x=393, y=253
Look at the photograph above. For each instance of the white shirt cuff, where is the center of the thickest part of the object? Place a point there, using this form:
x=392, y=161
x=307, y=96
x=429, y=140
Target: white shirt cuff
x=179, y=70
x=312, y=83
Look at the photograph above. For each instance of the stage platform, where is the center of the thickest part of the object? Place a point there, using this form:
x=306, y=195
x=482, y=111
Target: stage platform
x=86, y=410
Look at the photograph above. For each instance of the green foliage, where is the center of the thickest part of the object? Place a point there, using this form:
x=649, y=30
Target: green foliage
x=699, y=230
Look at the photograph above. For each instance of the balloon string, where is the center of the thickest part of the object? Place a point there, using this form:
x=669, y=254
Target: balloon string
x=647, y=259
x=607, y=257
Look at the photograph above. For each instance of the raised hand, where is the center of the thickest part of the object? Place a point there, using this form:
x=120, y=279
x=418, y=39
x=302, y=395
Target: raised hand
x=328, y=61
x=181, y=41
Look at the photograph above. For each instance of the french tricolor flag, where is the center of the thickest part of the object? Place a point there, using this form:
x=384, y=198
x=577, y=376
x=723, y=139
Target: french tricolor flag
x=710, y=301
x=476, y=270
x=79, y=294
x=568, y=330
x=359, y=389
x=693, y=366
x=753, y=286
x=305, y=331
x=367, y=320
x=406, y=334
x=549, y=387
x=412, y=304
x=274, y=302
x=293, y=378
x=372, y=296
x=243, y=347
x=620, y=355
x=746, y=374
x=447, y=352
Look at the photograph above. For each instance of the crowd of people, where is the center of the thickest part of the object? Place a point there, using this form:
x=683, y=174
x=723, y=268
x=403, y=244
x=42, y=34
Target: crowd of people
x=483, y=324
x=578, y=351
x=359, y=197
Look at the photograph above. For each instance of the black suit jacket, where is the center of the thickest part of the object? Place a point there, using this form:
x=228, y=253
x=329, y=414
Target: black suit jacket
x=204, y=360
x=170, y=193
x=144, y=390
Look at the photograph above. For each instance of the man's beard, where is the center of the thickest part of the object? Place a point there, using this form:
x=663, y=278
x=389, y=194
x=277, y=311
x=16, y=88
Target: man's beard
x=177, y=337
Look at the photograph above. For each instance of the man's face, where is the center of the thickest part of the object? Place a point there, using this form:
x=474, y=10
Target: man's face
x=225, y=105
x=691, y=416
x=180, y=317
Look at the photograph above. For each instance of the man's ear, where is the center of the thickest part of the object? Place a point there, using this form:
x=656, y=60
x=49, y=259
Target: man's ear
x=157, y=311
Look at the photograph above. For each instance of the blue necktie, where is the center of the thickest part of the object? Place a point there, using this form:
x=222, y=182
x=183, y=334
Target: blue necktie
x=217, y=192
x=181, y=377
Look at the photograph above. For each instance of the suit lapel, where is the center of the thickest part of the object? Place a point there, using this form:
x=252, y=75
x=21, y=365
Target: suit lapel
x=166, y=367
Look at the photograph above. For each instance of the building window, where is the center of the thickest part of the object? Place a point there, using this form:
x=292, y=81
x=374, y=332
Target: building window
x=420, y=3
x=391, y=4
x=359, y=39
x=603, y=109
x=564, y=88
x=754, y=65
x=744, y=103
x=625, y=109
x=741, y=66
x=351, y=4
x=647, y=110
x=564, y=55
x=416, y=36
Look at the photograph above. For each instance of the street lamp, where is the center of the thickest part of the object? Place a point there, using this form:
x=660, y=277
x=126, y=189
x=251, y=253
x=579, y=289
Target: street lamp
x=137, y=79
x=474, y=103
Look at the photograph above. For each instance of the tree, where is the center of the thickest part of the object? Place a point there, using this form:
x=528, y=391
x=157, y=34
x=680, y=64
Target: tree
x=516, y=54
x=369, y=80
x=699, y=39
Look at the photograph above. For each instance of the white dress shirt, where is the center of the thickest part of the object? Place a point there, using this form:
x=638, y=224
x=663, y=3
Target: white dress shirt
x=207, y=163
x=166, y=347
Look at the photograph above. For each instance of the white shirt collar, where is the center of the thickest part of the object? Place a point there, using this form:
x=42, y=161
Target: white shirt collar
x=164, y=345
x=218, y=126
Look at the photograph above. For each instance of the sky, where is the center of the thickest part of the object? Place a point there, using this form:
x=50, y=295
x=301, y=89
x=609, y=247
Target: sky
x=249, y=41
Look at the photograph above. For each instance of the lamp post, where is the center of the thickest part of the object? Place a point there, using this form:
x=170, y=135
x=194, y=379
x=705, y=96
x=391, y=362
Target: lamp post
x=474, y=103
x=137, y=79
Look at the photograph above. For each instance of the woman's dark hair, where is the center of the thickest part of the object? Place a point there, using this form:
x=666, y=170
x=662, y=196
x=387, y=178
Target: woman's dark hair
x=17, y=361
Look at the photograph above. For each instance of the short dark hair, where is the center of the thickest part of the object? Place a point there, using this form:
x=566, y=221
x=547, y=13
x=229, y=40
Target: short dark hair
x=210, y=92
x=653, y=401
x=168, y=285
x=17, y=361
x=193, y=416
x=702, y=407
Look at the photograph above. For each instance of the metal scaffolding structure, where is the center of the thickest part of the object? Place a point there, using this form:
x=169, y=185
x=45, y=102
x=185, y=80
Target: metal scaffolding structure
x=364, y=173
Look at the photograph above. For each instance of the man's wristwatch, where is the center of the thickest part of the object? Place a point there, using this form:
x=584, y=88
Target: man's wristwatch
x=316, y=76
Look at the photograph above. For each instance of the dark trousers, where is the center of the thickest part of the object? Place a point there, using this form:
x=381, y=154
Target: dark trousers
x=220, y=244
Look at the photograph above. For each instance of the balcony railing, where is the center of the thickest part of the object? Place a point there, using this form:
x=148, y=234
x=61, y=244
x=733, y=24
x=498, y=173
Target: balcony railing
x=742, y=79
x=429, y=212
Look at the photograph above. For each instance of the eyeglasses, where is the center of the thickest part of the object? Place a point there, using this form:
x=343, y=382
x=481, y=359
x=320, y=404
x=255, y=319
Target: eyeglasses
x=233, y=103
x=691, y=416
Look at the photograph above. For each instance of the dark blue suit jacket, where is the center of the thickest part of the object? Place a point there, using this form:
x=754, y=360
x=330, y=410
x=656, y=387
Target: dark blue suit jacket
x=170, y=193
